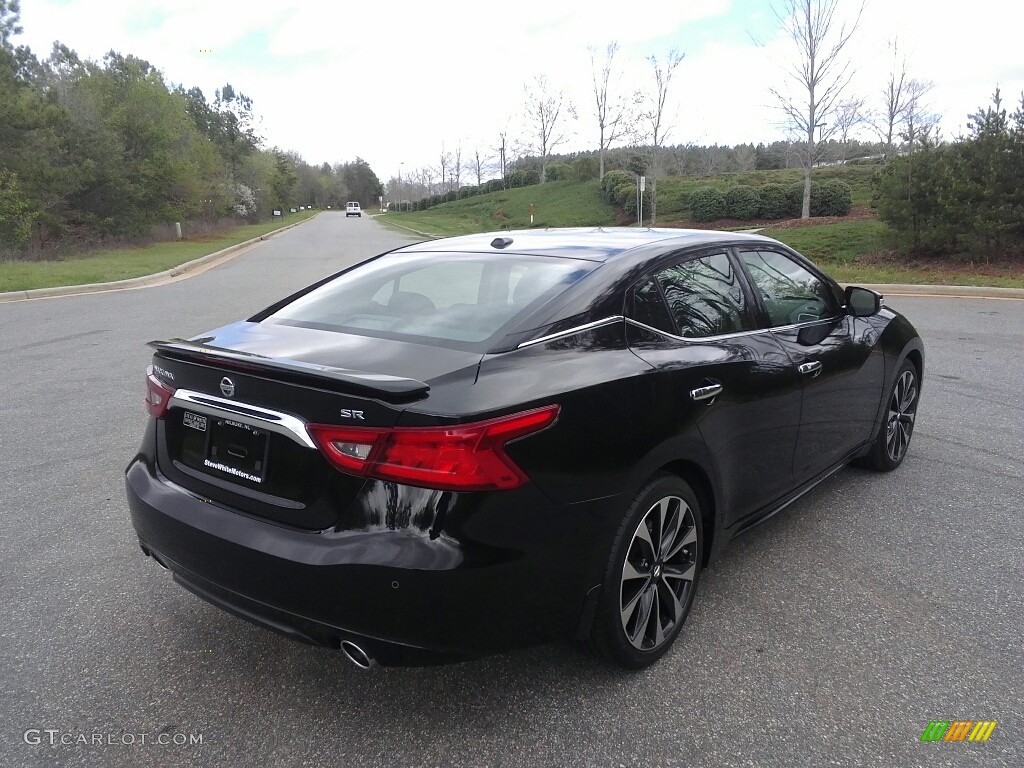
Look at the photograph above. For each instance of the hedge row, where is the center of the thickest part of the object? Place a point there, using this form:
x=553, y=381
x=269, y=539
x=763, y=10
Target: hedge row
x=770, y=201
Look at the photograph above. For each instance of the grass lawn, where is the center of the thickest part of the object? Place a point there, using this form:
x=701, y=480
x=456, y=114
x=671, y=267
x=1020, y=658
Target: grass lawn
x=840, y=242
x=862, y=252
x=104, y=266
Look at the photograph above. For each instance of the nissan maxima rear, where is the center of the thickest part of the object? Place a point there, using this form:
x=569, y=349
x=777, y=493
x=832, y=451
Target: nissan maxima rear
x=474, y=444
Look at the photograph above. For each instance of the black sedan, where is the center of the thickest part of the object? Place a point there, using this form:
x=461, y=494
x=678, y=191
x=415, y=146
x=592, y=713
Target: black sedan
x=472, y=444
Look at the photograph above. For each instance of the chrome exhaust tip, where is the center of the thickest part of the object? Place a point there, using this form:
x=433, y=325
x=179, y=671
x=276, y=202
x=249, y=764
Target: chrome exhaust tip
x=357, y=655
x=154, y=557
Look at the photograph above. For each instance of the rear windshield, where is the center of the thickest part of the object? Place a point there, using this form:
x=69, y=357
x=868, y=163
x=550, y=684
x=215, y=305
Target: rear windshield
x=461, y=300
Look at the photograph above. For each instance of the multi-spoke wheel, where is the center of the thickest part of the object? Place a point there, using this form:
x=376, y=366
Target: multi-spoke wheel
x=658, y=573
x=897, y=426
x=652, y=574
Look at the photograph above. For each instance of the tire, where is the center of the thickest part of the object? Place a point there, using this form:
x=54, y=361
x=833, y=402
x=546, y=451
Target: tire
x=652, y=575
x=897, y=424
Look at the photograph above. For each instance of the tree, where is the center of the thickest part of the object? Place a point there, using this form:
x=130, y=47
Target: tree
x=16, y=214
x=457, y=166
x=821, y=73
x=918, y=121
x=502, y=149
x=544, y=114
x=478, y=165
x=10, y=15
x=362, y=183
x=961, y=197
x=282, y=185
x=235, y=125
x=848, y=116
x=656, y=118
x=610, y=110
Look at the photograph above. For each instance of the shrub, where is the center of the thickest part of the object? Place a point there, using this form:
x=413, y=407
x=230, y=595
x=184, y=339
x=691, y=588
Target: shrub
x=523, y=178
x=795, y=197
x=494, y=185
x=630, y=205
x=585, y=168
x=774, y=201
x=707, y=204
x=624, y=193
x=834, y=198
x=742, y=202
x=612, y=181
x=558, y=172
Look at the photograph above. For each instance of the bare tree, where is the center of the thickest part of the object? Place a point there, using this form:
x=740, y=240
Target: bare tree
x=612, y=111
x=655, y=116
x=894, y=99
x=457, y=167
x=544, y=111
x=444, y=163
x=821, y=72
x=917, y=120
x=479, y=166
x=850, y=114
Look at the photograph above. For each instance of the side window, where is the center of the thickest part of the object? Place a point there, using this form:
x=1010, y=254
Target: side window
x=705, y=297
x=791, y=294
x=649, y=308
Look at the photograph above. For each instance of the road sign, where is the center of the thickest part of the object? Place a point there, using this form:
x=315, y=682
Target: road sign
x=643, y=183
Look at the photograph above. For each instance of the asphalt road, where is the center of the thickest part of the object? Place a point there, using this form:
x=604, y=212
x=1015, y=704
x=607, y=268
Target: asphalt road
x=831, y=635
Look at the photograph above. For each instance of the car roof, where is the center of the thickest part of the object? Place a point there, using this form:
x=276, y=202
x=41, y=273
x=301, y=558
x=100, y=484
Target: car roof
x=591, y=243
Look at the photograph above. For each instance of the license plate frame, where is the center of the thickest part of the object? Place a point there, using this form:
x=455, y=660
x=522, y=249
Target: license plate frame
x=237, y=450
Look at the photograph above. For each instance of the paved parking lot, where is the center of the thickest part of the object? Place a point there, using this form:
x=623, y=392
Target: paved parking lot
x=831, y=635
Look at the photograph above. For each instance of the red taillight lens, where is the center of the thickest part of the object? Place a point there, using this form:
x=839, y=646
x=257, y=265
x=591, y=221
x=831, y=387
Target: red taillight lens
x=466, y=457
x=158, y=395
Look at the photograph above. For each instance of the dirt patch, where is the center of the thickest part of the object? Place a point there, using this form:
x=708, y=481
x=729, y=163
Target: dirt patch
x=857, y=213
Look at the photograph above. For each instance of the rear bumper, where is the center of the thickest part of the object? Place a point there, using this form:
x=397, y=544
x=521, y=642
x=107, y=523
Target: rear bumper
x=406, y=596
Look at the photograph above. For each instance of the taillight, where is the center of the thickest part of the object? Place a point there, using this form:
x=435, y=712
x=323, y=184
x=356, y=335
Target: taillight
x=465, y=457
x=158, y=395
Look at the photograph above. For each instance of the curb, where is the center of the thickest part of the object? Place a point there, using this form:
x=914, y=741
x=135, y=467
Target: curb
x=414, y=231
x=947, y=291
x=145, y=281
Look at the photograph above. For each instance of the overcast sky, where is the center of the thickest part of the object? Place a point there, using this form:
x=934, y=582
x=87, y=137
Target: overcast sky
x=391, y=81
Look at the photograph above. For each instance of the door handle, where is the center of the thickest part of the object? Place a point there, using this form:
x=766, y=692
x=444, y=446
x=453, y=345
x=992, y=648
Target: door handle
x=812, y=367
x=708, y=392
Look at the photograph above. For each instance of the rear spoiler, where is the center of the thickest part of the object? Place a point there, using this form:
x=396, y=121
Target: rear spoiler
x=389, y=388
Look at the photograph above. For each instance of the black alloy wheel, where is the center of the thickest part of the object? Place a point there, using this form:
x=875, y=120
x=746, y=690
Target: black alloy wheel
x=898, y=418
x=652, y=575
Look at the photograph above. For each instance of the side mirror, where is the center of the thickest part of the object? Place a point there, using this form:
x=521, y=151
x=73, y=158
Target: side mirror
x=862, y=302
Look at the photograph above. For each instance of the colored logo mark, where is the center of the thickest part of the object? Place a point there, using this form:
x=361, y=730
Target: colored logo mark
x=958, y=730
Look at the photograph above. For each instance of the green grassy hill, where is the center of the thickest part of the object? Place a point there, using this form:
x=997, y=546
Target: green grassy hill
x=576, y=204
x=557, y=204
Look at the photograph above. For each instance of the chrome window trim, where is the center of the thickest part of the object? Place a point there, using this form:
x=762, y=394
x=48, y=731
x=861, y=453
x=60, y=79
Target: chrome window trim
x=694, y=339
x=285, y=424
x=689, y=339
x=572, y=331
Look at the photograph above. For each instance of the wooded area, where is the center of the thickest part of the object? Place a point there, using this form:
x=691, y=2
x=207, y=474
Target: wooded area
x=109, y=152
